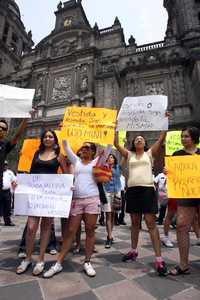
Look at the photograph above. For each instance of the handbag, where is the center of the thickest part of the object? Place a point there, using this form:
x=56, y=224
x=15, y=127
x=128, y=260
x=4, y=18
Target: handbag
x=117, y=202
x=102, y=172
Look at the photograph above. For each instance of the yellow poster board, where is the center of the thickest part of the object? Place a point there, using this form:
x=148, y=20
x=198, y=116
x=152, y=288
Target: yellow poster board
x=183, y=176
x=173, y=142
x=30, y=146
x=84, y=124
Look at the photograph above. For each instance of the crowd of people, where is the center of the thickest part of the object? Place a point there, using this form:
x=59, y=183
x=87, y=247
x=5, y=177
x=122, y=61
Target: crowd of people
x=142, y=195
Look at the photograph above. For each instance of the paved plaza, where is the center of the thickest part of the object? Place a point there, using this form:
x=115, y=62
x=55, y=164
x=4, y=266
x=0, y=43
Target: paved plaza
x=114, y=280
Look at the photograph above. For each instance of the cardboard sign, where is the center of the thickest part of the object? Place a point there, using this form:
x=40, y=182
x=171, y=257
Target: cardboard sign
x=43, y=195
x=183, y=176
x=146, y=113
x=30, y=146
x=83, y=124
x=15, y=102
x=173, y=142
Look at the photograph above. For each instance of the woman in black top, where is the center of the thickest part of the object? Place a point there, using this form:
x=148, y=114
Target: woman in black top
x=47, y=160
x=186, y=208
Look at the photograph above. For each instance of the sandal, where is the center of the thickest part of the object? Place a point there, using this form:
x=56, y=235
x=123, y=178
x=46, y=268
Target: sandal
x=23, y=267
x=178, y=271
x=38, y=269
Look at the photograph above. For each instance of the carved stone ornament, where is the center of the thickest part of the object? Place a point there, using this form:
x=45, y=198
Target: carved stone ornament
x=155, y=88
x=84, y=83
x=64, y=48
x=62, y=88
x=67, y=22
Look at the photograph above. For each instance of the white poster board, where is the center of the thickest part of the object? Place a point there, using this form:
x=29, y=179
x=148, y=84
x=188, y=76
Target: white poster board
x=15, y=102
x=145, y=113
x=44, y=195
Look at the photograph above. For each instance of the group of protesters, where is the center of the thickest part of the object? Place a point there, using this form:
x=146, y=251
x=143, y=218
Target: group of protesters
x=141, y=197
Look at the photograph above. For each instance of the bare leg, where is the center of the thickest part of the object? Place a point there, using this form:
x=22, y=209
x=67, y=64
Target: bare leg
x=90, y=224
x=168, y=220
x=32, y=226
x=109, y=224
x=44, y=235
x=150, y=220
x=78, y=239
x=196, y=227
x=64, y=227
x=73, y=226
x=185, y=218
x=135, y=229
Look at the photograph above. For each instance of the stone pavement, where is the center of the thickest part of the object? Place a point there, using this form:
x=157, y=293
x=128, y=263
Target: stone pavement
x=114, y=280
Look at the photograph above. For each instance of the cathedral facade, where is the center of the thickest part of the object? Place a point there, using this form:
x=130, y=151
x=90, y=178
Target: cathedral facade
x=77, y=64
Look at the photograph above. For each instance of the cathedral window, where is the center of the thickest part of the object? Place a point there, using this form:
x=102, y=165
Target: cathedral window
x=199, y=17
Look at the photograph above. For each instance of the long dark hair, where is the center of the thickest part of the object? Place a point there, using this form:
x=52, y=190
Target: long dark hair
x=133, y=149
x=115, y=159
x=194, y=134
x=56, y=145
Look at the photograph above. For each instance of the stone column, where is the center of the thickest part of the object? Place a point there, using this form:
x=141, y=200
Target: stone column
x=2, y=24
x=90, y=73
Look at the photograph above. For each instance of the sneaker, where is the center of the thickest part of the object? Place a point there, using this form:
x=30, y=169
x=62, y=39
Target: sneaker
x=167, y=243
x=161, y=268
x=21, y=253
x=108, y=243
x=76, y=250
x=89, y=270
x=53, y=251
x=55, y=269
x=131, y=255
x=38, y=269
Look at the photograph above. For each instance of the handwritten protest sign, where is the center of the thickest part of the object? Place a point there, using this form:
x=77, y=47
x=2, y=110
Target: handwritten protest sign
x=30, y=146
x=81, y=124
x=173, y=142
x=15, y=102
x=44, y=195
x=145, y=113
x=183, y=176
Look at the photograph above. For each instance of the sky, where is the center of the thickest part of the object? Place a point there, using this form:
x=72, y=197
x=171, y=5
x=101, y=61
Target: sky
x=146, y=20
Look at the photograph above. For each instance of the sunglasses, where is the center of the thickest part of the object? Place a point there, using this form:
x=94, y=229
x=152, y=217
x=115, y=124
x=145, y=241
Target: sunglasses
x=3, y=128
x=86, y=147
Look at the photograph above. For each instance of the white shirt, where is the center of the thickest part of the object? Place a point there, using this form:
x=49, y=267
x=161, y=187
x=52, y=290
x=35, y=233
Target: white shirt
x=160, y=180
x=8, y=178
x=140, y=169
x=84, y=184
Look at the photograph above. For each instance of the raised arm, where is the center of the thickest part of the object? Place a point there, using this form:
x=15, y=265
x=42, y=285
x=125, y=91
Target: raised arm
x=21, y=128
x=70, y=154
x=19, y=133
x=158, y=144
x=123, y=151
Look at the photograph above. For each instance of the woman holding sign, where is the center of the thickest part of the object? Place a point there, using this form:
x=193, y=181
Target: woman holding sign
x=47, y=160
x=141, y=196
x=186, y=208
x=85, y=205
